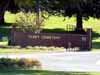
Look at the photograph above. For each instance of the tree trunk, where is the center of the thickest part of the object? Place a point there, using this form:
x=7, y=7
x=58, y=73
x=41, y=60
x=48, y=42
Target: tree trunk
x=12, y=6
x=79, y=24
x=2, y=17
x=6, y=5
x=3, y=6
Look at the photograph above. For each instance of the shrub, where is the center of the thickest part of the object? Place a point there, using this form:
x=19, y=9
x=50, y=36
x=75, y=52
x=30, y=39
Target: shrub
x=28, y=22
x=28, y=62
x=6, y=63
x=22, y=63
x=4, y=38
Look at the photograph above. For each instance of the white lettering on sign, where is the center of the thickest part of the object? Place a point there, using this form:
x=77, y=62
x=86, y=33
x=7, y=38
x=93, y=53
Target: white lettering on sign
x=44, y=37
x=50, y=37
x=34, y=37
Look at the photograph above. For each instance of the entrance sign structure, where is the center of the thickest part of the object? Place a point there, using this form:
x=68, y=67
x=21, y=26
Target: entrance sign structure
x=82, y=41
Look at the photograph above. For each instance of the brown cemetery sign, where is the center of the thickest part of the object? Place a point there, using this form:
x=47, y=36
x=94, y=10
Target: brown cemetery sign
x=83, y=41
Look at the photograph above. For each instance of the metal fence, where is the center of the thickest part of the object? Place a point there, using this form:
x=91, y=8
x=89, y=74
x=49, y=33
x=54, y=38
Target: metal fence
x=70, y=27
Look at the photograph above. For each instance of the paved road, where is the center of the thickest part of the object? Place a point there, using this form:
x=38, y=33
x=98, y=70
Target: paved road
x=64, y=61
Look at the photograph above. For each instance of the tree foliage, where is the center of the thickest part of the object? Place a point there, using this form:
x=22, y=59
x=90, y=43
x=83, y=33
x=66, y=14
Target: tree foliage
x=25, y=4
x=71, y=7
x=79, y=8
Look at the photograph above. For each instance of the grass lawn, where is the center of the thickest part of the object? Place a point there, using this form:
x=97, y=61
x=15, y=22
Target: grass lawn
x=19, y=50
x=29, y=49
x=51, y=23
x=25, y=50
x=39, y=72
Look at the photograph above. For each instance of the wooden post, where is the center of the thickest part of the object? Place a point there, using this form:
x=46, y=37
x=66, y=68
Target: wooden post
x=13, y=30
x=89, y=38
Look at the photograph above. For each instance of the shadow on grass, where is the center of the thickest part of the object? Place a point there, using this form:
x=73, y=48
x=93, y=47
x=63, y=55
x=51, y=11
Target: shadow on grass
x=40, y=72
x=96, y=45
x=5, y=31
x=95, y=35
x=5, y=24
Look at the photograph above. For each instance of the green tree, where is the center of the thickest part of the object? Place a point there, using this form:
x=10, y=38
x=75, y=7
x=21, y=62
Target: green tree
x=80, y=8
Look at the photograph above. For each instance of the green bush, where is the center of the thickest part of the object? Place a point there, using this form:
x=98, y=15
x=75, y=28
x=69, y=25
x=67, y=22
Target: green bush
x=22, y=63
x=6, y=63
x=4, y=38
x=28, y=22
